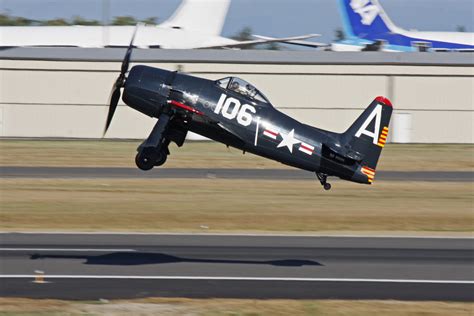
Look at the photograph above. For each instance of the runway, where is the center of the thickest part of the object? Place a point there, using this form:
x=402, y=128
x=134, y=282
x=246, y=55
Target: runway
x=93, y=266
x=218, y=173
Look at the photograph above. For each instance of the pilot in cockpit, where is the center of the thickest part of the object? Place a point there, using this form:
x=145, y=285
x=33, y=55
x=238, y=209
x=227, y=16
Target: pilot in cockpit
x=240, y=88
x=243, y=88
x=251, y=91
x=235, y=86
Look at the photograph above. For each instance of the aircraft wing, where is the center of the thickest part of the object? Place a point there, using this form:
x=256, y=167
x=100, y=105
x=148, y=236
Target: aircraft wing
x=231, y=131
x=298, y=42
x=238, y=44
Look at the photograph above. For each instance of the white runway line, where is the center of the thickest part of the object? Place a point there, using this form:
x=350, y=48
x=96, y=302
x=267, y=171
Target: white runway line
x=224, y=278
x=68, y=249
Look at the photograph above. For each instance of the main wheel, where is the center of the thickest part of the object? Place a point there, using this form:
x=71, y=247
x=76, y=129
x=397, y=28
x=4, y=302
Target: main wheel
x=161, y=159
x=144, y=162
x=327, y=186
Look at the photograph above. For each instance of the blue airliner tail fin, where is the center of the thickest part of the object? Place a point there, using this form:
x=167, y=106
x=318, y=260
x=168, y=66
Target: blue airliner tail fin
x=364, y=18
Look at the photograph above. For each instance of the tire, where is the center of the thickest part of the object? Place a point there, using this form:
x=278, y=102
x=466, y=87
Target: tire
x=144, y=162
x=327, y=186
x=161, y=159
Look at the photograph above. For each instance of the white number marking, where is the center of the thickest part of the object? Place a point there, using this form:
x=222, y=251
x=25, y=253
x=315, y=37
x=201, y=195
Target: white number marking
x=231, y=108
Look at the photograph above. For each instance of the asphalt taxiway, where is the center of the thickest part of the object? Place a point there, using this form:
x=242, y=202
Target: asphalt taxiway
x=218, y=173
x=93, y=266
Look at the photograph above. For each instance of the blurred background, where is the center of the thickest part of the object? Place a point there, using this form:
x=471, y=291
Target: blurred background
x=269, y=17
x=67, y=83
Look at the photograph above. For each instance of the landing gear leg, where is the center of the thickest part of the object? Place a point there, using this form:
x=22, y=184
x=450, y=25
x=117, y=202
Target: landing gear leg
x=154, y=150
x=322, y=177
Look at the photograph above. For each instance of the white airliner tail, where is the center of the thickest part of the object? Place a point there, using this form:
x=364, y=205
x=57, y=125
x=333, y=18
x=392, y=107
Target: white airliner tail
x=203, y=16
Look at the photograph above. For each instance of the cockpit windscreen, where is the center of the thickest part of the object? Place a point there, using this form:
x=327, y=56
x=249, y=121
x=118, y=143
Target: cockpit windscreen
x=242, y=87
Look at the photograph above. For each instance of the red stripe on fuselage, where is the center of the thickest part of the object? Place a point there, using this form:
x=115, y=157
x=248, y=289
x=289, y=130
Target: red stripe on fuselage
x=184, y=106
x=271, y=132
x=306, y=147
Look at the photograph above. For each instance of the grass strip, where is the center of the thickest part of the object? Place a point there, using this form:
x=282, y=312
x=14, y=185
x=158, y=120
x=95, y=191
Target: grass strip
x=217, y=205
x=107, y=153
x=210, y=307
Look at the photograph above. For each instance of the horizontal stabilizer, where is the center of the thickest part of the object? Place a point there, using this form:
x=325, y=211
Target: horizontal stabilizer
x=261, y=41
x=297, y=40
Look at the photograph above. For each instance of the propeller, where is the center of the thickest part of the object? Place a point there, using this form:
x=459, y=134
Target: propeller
x=119, y=83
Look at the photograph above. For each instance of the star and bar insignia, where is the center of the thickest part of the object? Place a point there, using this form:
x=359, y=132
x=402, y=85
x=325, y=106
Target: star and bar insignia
x=288, y=140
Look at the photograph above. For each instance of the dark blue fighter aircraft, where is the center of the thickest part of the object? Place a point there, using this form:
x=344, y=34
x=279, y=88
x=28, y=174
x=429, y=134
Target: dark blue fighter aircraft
x=234, y=112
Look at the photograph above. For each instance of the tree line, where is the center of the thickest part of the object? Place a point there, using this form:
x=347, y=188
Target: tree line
x=8, y=20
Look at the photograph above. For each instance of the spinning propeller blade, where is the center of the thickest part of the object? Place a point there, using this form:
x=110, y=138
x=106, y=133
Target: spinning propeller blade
x=119, y=83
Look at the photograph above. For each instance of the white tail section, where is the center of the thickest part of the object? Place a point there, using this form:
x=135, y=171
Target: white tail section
x=203, y=16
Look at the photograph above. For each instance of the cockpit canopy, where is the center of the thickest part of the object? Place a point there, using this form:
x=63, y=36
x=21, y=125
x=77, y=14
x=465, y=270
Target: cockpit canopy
x=242, y=87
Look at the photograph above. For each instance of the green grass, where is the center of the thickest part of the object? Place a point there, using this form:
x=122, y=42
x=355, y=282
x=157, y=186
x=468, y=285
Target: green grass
x=233, y=205
x=211, y=307
x=228, y=205
x=212, y=155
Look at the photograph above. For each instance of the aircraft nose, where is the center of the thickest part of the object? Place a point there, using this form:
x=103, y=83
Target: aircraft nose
x=145, y=90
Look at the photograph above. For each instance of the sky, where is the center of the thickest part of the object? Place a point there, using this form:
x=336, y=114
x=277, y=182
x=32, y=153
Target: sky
x=265, y=17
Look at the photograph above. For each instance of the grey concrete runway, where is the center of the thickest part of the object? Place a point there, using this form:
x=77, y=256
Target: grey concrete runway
x=92, y=266
x=177, y=173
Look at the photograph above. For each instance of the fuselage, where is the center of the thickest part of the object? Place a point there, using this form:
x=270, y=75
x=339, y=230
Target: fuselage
x=252, y=125
x=107, y=36
x=366, y=22
x=194, y=24
x=407, y=41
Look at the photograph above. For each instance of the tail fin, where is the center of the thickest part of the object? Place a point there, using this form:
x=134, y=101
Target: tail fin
x=368, y=134
x=203, y=16
x=365, y=19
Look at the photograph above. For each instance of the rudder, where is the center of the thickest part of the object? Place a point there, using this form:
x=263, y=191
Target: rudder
x=202, y=16
x=368, y=134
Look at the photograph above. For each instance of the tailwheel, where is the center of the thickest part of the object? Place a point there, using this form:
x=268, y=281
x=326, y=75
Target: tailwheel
x=322, y=177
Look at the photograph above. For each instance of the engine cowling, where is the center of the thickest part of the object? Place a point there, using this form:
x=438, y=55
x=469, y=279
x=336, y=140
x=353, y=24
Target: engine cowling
x=146, y=90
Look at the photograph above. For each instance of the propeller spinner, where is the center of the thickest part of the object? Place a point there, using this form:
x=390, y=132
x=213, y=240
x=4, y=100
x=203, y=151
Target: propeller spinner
x=119, y=83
